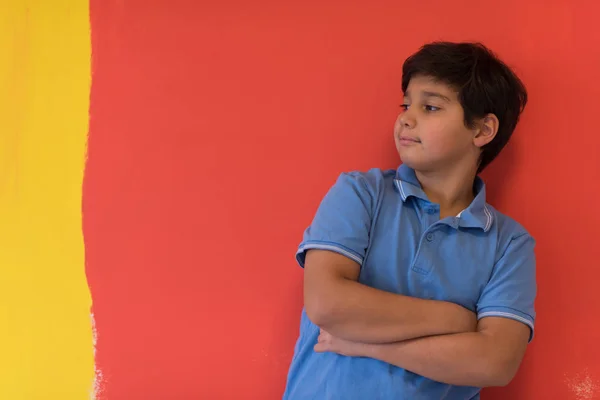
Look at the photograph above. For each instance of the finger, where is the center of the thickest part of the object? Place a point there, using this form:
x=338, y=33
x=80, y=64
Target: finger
x=319, y=348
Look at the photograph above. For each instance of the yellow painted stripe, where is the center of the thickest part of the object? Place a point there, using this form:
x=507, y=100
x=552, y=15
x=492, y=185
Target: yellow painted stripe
x=46, y=349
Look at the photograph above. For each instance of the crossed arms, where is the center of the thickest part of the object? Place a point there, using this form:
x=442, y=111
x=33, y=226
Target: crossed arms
x=436, y=339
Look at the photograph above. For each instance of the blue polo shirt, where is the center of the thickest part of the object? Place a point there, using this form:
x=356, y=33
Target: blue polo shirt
x=480, y=259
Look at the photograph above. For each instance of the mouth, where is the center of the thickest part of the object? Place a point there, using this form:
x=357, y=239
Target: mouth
x=408, y=139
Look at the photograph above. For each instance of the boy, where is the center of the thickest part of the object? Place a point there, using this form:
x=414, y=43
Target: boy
x=415, y=287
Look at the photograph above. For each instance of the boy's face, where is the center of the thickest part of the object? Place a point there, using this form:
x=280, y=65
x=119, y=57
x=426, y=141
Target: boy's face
x=430, y=132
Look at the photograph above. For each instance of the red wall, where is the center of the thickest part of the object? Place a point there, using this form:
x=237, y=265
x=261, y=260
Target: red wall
x=216, y=128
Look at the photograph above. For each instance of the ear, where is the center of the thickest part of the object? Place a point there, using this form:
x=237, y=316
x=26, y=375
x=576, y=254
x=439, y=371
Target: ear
x=486, y=131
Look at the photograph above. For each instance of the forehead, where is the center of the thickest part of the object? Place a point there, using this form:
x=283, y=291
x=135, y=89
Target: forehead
x=420, y=85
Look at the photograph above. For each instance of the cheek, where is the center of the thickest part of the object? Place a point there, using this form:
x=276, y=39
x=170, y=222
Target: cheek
x=437, y=136
x=447, y=135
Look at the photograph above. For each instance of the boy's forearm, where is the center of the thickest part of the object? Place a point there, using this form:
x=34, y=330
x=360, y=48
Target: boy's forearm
x=363, y=314
x=464, y=359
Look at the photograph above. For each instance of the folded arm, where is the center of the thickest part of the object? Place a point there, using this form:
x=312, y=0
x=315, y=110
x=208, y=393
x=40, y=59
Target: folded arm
x=489, y=357
x=337, y=303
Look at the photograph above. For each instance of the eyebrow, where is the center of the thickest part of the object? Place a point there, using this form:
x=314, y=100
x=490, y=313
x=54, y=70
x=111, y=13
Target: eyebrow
x=431, y=94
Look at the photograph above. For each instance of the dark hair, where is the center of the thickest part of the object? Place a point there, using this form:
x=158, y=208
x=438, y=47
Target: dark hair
x=484, y=83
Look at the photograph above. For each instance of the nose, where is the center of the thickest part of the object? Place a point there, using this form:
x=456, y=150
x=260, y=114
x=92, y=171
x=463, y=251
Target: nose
x=406, y=119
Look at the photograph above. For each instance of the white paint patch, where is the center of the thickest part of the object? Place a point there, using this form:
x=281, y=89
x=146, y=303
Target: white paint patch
x=98, y=377
x=583, y=385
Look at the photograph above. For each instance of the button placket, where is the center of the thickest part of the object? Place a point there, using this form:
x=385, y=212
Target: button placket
x=421, y=264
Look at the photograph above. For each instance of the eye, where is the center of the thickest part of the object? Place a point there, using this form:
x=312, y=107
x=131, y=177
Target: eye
x=431, y=108
x=404, y=106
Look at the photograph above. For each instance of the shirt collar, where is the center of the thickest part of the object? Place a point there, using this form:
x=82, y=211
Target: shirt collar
x=477, y=215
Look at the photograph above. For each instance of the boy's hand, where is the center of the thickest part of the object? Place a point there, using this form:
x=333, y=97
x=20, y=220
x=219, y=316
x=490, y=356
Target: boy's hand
x=329, y=343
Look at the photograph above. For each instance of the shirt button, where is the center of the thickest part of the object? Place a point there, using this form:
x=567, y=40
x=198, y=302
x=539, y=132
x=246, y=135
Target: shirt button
x=429, y=237
x=431, y=211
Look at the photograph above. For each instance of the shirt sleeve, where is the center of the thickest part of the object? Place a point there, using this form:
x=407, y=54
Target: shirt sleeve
x=342, y=221
x=511, y=291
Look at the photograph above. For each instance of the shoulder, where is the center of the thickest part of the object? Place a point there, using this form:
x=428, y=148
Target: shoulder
x=506, y=225
x=372, y=182
x=508, y=231
x=356, y=191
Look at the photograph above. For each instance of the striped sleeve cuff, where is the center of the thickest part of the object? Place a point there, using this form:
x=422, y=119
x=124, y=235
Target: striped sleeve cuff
x=330, y=246
x=510, y=313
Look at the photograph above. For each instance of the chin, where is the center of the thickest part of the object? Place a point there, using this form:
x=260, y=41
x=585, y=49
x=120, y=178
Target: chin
x=407, y=160
x=417, y=165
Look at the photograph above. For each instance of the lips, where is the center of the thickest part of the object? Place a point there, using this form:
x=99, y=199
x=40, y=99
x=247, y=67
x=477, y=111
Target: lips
x=408, y=139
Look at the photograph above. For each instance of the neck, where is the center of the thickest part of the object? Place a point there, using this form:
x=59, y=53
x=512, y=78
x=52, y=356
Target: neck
x=452, y=189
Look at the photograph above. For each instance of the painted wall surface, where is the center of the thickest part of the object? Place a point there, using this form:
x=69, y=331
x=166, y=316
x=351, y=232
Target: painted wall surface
x=215, y=128
x=46, y=349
